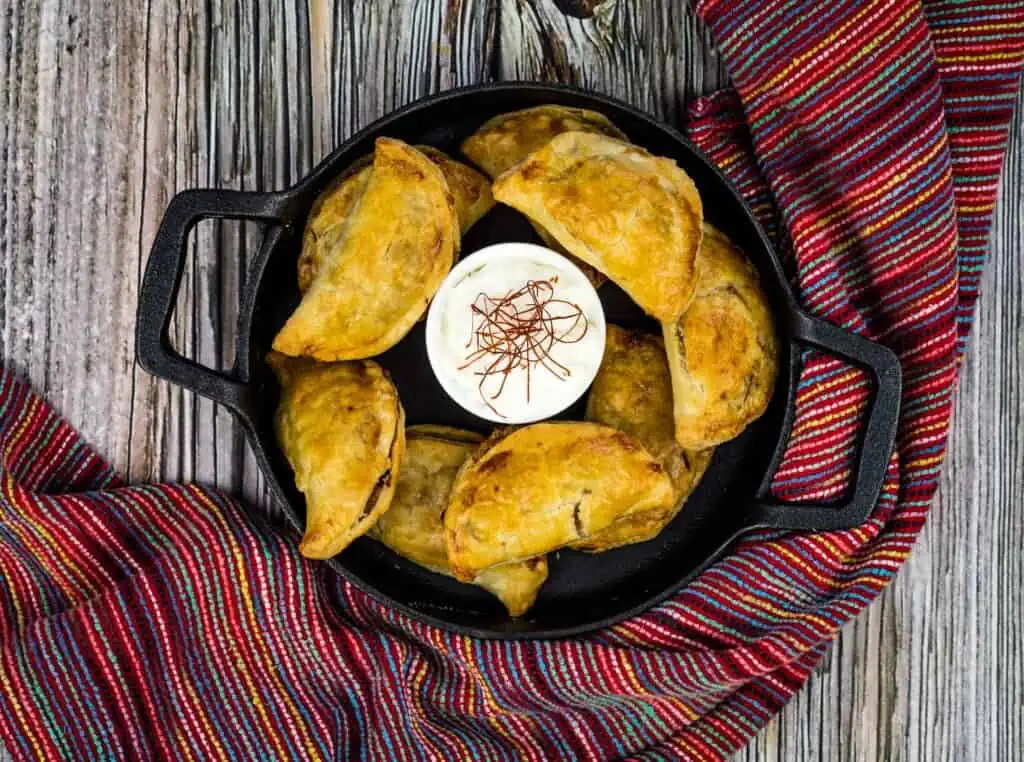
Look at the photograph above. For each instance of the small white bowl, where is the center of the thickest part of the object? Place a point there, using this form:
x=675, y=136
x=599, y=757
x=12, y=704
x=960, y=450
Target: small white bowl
x=496, y=270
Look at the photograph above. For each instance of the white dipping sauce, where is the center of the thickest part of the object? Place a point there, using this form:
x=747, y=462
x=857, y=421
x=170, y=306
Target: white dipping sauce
x=558, y=374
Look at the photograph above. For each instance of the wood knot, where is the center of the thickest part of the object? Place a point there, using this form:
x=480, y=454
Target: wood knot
x=581, y=9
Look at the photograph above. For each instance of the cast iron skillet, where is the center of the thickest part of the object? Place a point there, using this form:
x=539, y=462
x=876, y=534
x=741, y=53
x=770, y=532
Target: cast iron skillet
x=584, y=592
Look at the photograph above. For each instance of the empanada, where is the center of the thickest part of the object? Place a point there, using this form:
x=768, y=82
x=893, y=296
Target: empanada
x=507, y=139
x=535, y=489
x=384, y=265
x=413, y=526
x=342, y=428
x=633, y=216
x=723, y=351
x=633, y=393
x=471, y=190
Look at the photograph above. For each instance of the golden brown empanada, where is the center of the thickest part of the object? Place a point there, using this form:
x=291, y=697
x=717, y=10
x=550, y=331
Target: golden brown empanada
x=535, y=489
x=342, y=428
x=722, y=352
x=507, y=139
x=633, y=393
x=382, y=267
x=413, y=526
x=470, y=189
x=633, y=216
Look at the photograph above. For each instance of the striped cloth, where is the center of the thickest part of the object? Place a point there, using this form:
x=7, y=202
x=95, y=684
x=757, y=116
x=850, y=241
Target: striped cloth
x=159, y=622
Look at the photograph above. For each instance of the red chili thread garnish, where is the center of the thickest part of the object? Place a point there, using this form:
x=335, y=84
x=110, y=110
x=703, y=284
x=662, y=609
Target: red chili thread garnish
x=519, y=330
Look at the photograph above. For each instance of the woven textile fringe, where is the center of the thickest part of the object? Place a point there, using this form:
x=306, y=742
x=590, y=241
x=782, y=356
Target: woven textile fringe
x=160, y=622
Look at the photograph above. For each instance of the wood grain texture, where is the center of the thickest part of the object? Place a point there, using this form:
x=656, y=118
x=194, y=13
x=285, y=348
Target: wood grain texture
x=372, y=57
x=107, y=113
x=653, y=54
x=71, y=162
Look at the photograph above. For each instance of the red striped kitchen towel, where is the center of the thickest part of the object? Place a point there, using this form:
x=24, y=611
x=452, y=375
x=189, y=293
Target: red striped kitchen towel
x=158, y=622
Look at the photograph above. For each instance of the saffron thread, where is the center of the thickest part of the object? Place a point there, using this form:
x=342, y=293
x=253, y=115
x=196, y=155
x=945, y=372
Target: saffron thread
x=518, y=331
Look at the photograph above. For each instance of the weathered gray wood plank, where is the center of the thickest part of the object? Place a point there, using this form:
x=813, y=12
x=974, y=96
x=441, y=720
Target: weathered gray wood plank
x=370, y=58
x=70, y=204
x=655, y=55
x=107, y=113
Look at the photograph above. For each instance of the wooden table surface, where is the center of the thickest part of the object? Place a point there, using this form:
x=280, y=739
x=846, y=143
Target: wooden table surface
x=108, y=108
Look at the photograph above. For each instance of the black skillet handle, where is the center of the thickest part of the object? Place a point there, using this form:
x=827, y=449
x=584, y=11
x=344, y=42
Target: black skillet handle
x=163, y=277
x=876, y=441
